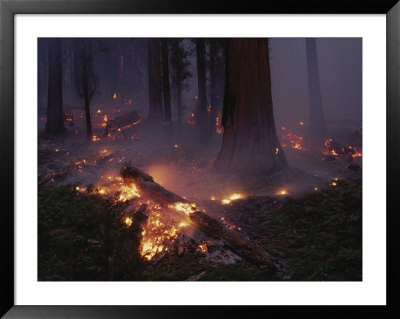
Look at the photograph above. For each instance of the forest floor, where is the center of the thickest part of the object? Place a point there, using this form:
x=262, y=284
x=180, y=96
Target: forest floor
x=310, y=217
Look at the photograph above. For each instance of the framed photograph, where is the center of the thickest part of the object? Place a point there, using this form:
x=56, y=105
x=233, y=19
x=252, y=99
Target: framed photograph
x=162, y=159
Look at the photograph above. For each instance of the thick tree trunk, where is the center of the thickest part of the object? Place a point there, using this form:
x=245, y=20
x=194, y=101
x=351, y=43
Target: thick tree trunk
x=235, y=240
x=250, y=145
x=155, y=84
x=55, y=116
x=202, y=97
x=317, y=120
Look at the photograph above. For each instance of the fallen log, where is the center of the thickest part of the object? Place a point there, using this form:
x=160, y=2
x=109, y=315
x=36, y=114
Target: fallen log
x=128, y=250
x=236, y=241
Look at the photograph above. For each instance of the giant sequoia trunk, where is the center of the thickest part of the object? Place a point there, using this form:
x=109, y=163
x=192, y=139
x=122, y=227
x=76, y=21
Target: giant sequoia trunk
x=250, y=145
x=55, y=116
x=317, y=120
x=155, y=84
x=201, y=80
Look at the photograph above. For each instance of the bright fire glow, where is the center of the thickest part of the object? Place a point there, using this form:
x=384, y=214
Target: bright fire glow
x=282, y=192
x=185, y=208
x=128, y=221
x=231, y=198
x=128, y=192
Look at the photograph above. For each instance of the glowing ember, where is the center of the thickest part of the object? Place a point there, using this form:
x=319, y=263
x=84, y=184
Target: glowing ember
x=276, y=150
x=301, y=123
x=333, y=150
x=212, y=198
x=191, y=119
x=292, y=140
x=202, y=248
x=128, y=192
x=218, y=127
x=158, y=234
x=176, y=146
x=227, y=223
x=282, y=192
x=105, y=118
x=98, y=111
x=231, y=198
x=128, y=221
x=185, y=208
x=95, y=138
x=114, y=96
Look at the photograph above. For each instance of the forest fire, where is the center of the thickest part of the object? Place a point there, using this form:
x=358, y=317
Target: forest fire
x=334, y=150
x=231, y=198
x=292, y=140
x=122, y=194
x=159, y=233
x=185, y=208
x=161, y=229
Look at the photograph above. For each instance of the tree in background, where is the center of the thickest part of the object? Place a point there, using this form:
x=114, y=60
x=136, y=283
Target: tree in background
x=55, y=116
x=249, y=145
x=86, y=80
x=217, y=57
x=179, y=73
x=202, y=96
x=155, y=80
x=317, y=120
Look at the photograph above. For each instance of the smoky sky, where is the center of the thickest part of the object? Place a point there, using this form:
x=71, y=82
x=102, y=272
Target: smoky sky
x=340, y=74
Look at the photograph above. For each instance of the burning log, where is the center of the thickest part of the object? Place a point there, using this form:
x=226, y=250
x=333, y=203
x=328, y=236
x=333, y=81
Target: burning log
x=233, y=239
x=130, y=237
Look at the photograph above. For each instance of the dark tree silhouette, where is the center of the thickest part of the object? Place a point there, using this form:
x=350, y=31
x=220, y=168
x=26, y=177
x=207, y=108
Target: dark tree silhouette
x=169, y=132
x=201, y=84
x=165, y=80
x=179, y=73
x=250, y=145
x=86, y=79
x=216, y=69
x=55, y=116
x=317, y=119
x=155, y=83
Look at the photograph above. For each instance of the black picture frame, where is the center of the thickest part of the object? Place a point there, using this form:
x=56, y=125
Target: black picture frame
x=8, y=8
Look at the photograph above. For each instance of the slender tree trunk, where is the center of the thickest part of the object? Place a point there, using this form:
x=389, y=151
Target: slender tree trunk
x=179, y=107
x=201, y=83
x=165, y=78
x=250, y=145
x=85, y=86
x=166, y=92
x=55, y=116
x=317, y=120
x=213, y=87
x=155, y=84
